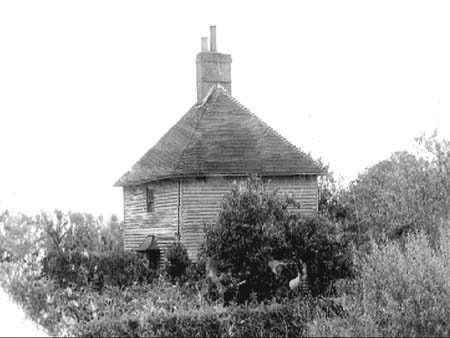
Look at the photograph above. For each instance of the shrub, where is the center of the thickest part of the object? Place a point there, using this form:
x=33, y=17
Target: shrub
x=255, y=227
x=20, y=237
x=408, y=290
x=315, y=241
x=274, y=320
x=75, y=231
x=97, y=269
x=402, y=290
x=403, y=194
x=111, y=235
x=157, y=309
x=246, y=235
x=177, y=261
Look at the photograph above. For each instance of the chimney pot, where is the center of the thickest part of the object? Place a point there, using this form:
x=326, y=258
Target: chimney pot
x=212, y=68
x=204, y=44
x=212, y=30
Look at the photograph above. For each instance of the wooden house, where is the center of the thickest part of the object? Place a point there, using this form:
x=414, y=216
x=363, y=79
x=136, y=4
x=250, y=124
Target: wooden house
x=178, y=185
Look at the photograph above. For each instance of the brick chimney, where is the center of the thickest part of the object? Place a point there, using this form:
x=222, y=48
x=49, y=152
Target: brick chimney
x=212, y=67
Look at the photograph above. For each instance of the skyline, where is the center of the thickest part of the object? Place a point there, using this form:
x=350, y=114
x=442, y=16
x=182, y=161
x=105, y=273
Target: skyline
x=87, y=88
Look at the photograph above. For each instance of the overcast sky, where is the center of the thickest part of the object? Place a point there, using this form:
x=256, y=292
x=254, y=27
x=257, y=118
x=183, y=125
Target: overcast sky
x=87, y=87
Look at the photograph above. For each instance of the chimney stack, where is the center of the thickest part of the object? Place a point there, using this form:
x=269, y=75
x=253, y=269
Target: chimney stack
x=212, y=33
x=212, y=67
x=204, y=44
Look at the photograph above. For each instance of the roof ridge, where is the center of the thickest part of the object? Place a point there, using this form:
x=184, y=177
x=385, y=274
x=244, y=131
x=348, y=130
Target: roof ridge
x=202, y=106
x=208, y=94
x=286, y=141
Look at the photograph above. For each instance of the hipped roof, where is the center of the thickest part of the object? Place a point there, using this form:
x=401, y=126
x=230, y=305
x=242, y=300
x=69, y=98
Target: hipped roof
x=220, y=137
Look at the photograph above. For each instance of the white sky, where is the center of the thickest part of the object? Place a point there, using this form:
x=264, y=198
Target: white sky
x=87, y=87
x=14, y=322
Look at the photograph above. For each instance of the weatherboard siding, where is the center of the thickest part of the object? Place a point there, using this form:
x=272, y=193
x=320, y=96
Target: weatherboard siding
x=197, y=205
x=200, y=206
x=138, y=223
x=303, y=189
x=201, y=200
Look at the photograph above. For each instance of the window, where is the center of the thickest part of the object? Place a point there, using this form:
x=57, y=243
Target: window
x=150, y=199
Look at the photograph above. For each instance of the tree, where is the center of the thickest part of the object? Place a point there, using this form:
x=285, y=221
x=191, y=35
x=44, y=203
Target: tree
x=20, y=237
x=331, y=203
x=402, y=194
x=112, y=235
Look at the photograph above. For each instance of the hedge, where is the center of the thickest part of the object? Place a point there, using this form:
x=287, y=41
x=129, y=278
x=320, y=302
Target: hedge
x=97, y=269
x=254, y=321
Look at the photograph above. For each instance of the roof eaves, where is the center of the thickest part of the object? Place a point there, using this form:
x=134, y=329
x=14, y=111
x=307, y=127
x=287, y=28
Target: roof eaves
x=178, y=176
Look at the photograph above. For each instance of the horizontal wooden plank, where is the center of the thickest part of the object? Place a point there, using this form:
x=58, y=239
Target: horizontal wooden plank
x=139, y=223
x=200, y=204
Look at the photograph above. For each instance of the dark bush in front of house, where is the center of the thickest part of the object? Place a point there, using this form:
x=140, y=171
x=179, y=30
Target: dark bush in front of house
x=97, y=269
x=315, y=241
x=255, y=228
x=246, y=236
x=177, y=261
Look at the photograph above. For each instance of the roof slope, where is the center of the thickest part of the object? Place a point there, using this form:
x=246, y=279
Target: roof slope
x=220, y=137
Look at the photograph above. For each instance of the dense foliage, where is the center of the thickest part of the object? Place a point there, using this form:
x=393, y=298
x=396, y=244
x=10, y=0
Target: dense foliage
x=403, y=194
x=26, y=242
x=177, y=261
x=156, y=309
x=22, y=236
x=97, y=269
x=246, y=235
x=70, y=274
x=402, y=290
x=258, y=321
x=316, y=242
x=255, y=226
x=78, y=231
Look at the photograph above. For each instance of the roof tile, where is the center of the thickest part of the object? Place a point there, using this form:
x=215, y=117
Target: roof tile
x=220, y=137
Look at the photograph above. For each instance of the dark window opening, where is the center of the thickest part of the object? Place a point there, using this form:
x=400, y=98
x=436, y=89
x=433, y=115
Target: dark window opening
x=150, y=200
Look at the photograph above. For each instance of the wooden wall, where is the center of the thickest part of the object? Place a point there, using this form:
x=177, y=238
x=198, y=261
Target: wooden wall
x=201, y=199
x=303, y=189
x=199, y=204
x=138, y=223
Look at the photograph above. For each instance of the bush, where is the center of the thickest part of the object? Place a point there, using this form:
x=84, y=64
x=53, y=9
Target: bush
x=315, y=241
x=408, y=290
x=402, y=290
x=246, y=236
x=75, y=231
x=177, y=261
x=59, y=309
x=111, y=235
x=403, y=194
x=20, y=237
x=156, y=309
x=255, y=227
x=97, y=269
x=262, y=321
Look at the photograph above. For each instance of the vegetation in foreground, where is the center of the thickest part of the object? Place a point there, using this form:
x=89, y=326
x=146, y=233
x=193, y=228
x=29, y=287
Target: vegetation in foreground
x=374, y=263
